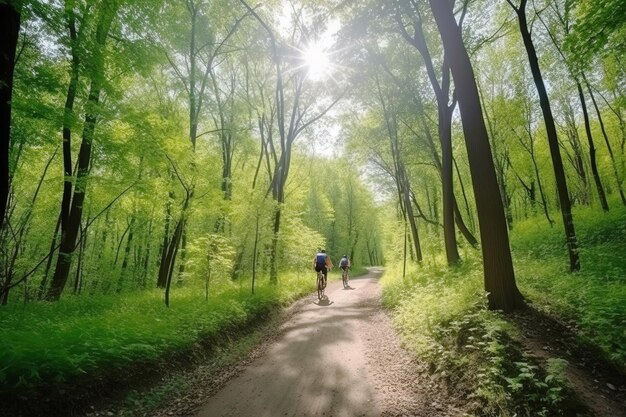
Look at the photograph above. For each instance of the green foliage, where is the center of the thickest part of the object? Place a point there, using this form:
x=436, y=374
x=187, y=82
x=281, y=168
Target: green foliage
x=46, y=344
x=594, y=297
x=443, y=317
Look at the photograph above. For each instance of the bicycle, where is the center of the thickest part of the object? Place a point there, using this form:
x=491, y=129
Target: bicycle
x=344, y=278
x=321, y=284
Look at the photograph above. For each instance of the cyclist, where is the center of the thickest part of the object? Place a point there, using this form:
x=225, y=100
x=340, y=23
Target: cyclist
x=344, y=264
x=322, y=263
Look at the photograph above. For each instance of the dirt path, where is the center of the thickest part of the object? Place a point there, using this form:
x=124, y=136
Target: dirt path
x=338, y=357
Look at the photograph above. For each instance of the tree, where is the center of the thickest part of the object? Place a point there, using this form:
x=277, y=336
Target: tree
x=553, y=141
x=292, y=111
x=497, y=262
x=106, y=15
x=10, y=14
x=445, y=108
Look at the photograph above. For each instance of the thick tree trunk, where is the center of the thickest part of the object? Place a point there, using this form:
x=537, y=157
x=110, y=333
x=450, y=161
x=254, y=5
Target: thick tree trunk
x=498, y=265
x=553, y=142
x=9, y=32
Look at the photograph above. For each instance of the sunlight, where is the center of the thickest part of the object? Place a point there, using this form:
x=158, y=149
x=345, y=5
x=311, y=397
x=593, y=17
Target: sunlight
x=317, y=62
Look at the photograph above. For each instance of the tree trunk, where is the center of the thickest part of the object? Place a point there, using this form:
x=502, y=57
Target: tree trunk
x=274, y=247
x=608, y=143
x=81, y=254
x=553, y=142
x=167, y=268
x=449, y=203
x=498, y=265
x=68, y=238
x=68, y=121
x=162, y=278
x=444, y=113
x=9, y=32
x=129, y=242
x=406, y=192
x=53, y=243
x=592, y=150
x=183, y=257
x=255, y=248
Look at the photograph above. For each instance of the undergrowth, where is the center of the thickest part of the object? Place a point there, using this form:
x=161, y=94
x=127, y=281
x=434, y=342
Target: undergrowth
x=442, y=314
x=592, y=300
x=443, y=318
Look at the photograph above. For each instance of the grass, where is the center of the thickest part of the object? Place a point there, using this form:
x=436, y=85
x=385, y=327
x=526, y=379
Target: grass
x=49, y=344
x=442, y=316
x=594, y=298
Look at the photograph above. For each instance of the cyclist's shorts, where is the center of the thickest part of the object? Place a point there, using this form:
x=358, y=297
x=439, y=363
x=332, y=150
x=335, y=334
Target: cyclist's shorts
x=322, y=268
x=344, y=267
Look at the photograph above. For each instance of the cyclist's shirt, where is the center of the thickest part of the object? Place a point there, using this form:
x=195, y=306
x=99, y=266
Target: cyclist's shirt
x=322, y=261
x=344, y=263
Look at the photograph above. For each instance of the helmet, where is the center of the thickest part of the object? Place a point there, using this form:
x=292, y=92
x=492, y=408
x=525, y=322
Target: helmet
x=345, y=256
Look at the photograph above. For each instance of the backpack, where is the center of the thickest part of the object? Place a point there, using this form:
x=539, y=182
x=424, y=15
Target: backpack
x=343, y=262
x=320, y=259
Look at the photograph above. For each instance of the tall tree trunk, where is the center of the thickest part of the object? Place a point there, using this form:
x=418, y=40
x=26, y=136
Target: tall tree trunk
x=68, y=119
x=559, y=173
x=444, y=114
x=68, y=238
x=9, y=31
x=607, y=142
x=498, y=265
x=592, y=150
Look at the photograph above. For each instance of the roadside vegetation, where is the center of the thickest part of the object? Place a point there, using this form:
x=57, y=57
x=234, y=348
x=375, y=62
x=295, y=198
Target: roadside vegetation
x=443, y=317
x=52, y=349
x=51, y=344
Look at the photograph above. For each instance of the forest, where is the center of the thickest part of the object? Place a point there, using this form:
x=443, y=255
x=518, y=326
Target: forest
x=170, y=169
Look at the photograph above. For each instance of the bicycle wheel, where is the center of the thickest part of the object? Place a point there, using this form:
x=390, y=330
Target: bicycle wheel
x=344, y=278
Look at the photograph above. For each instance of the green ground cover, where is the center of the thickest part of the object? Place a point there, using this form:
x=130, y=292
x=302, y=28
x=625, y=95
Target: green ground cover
x=595, y=297
x=54, y=344
x=45, y=344
x=442, y=316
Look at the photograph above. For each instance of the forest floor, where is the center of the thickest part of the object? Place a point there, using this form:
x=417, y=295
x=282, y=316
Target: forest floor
x=342, y=357
x=599, y=386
